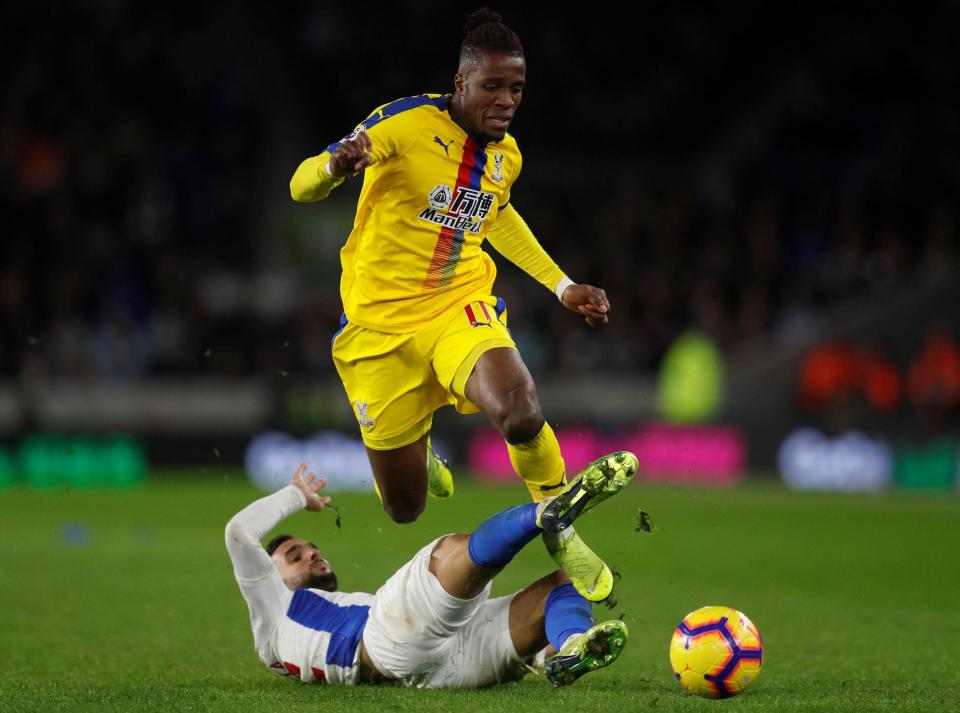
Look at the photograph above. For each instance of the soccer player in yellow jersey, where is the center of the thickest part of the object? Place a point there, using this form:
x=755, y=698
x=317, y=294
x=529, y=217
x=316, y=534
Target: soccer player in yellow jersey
x=420, y=326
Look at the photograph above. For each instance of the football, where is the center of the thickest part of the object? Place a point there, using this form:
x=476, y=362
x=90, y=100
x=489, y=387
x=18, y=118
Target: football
x=716, y=652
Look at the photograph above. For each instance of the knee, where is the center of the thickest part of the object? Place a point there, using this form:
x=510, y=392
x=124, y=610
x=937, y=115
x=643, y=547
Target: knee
x=522, y=419
x=404, y=510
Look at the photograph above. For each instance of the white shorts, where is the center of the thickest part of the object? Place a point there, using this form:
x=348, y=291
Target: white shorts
x=425, y=637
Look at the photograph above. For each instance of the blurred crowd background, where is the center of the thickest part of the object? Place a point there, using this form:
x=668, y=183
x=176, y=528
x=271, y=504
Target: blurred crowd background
x=778, y=177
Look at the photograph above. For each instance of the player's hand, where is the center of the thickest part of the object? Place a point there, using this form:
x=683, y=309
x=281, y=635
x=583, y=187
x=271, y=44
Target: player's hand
x=352, y=156
x=309, y=484
x=589, y=301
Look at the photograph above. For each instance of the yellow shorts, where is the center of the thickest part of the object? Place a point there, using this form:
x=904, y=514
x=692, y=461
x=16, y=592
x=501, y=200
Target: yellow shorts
x=396, y=381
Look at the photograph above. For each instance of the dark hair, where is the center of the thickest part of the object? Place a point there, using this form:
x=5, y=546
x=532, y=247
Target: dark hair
x=276, y=542
x=484, y=31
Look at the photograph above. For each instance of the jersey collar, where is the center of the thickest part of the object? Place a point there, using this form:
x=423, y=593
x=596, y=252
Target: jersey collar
x=478, y=139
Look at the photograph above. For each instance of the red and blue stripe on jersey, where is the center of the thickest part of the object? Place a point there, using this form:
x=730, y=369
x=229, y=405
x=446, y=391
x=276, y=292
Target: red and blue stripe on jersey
x=446, y=254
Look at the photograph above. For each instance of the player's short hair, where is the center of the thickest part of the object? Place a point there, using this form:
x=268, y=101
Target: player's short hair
x=276, y=542
x=484, y=32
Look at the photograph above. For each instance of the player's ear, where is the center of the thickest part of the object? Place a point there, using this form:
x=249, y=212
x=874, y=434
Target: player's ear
x=458, y=81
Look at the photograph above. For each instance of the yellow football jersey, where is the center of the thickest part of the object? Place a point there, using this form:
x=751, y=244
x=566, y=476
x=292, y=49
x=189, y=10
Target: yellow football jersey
x=427, y=203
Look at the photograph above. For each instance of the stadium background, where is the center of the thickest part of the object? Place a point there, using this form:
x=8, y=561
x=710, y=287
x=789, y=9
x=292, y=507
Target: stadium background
x=767, y=192
x=774, y=179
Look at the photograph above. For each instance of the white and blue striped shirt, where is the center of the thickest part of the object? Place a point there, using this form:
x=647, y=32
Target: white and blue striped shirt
x=318, y=637
x=309, y=634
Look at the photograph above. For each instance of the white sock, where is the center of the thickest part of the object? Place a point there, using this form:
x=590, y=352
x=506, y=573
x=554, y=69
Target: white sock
x=540, y=660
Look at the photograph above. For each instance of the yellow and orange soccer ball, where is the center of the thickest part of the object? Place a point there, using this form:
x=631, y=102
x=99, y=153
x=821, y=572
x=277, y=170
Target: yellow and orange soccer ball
x=716, y=652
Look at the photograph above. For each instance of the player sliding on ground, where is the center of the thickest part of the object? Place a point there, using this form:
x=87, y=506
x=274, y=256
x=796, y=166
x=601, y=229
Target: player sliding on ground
x=432, y=624
x=420, y=327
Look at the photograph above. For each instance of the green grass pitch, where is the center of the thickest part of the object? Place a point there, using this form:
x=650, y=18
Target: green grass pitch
x=125, y=601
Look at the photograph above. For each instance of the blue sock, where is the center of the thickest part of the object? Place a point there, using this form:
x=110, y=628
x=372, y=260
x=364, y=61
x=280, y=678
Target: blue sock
x=498, y=538
x=565, y=613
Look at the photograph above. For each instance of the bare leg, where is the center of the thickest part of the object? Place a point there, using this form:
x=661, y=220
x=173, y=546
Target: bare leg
x=501, y=386
x=458, y=575
x=461, y=578
x=401, y=476
x=527, y=622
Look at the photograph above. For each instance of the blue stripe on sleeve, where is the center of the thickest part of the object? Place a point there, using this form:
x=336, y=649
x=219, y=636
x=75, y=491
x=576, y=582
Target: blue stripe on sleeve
x=344, y=623
x=397, y=107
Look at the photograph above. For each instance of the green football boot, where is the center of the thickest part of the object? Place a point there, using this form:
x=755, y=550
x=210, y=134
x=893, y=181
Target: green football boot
x=589, y=574
x=439, y=477
x=595, y=648
x=598, y=481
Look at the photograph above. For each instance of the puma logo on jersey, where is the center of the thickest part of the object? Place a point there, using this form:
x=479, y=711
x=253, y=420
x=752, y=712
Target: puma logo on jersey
x=446, y=146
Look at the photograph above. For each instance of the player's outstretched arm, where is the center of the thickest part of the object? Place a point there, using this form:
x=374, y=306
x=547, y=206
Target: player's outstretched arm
x=318, y=175
x=513, y=239
x=247, y=527
x=260, y=583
